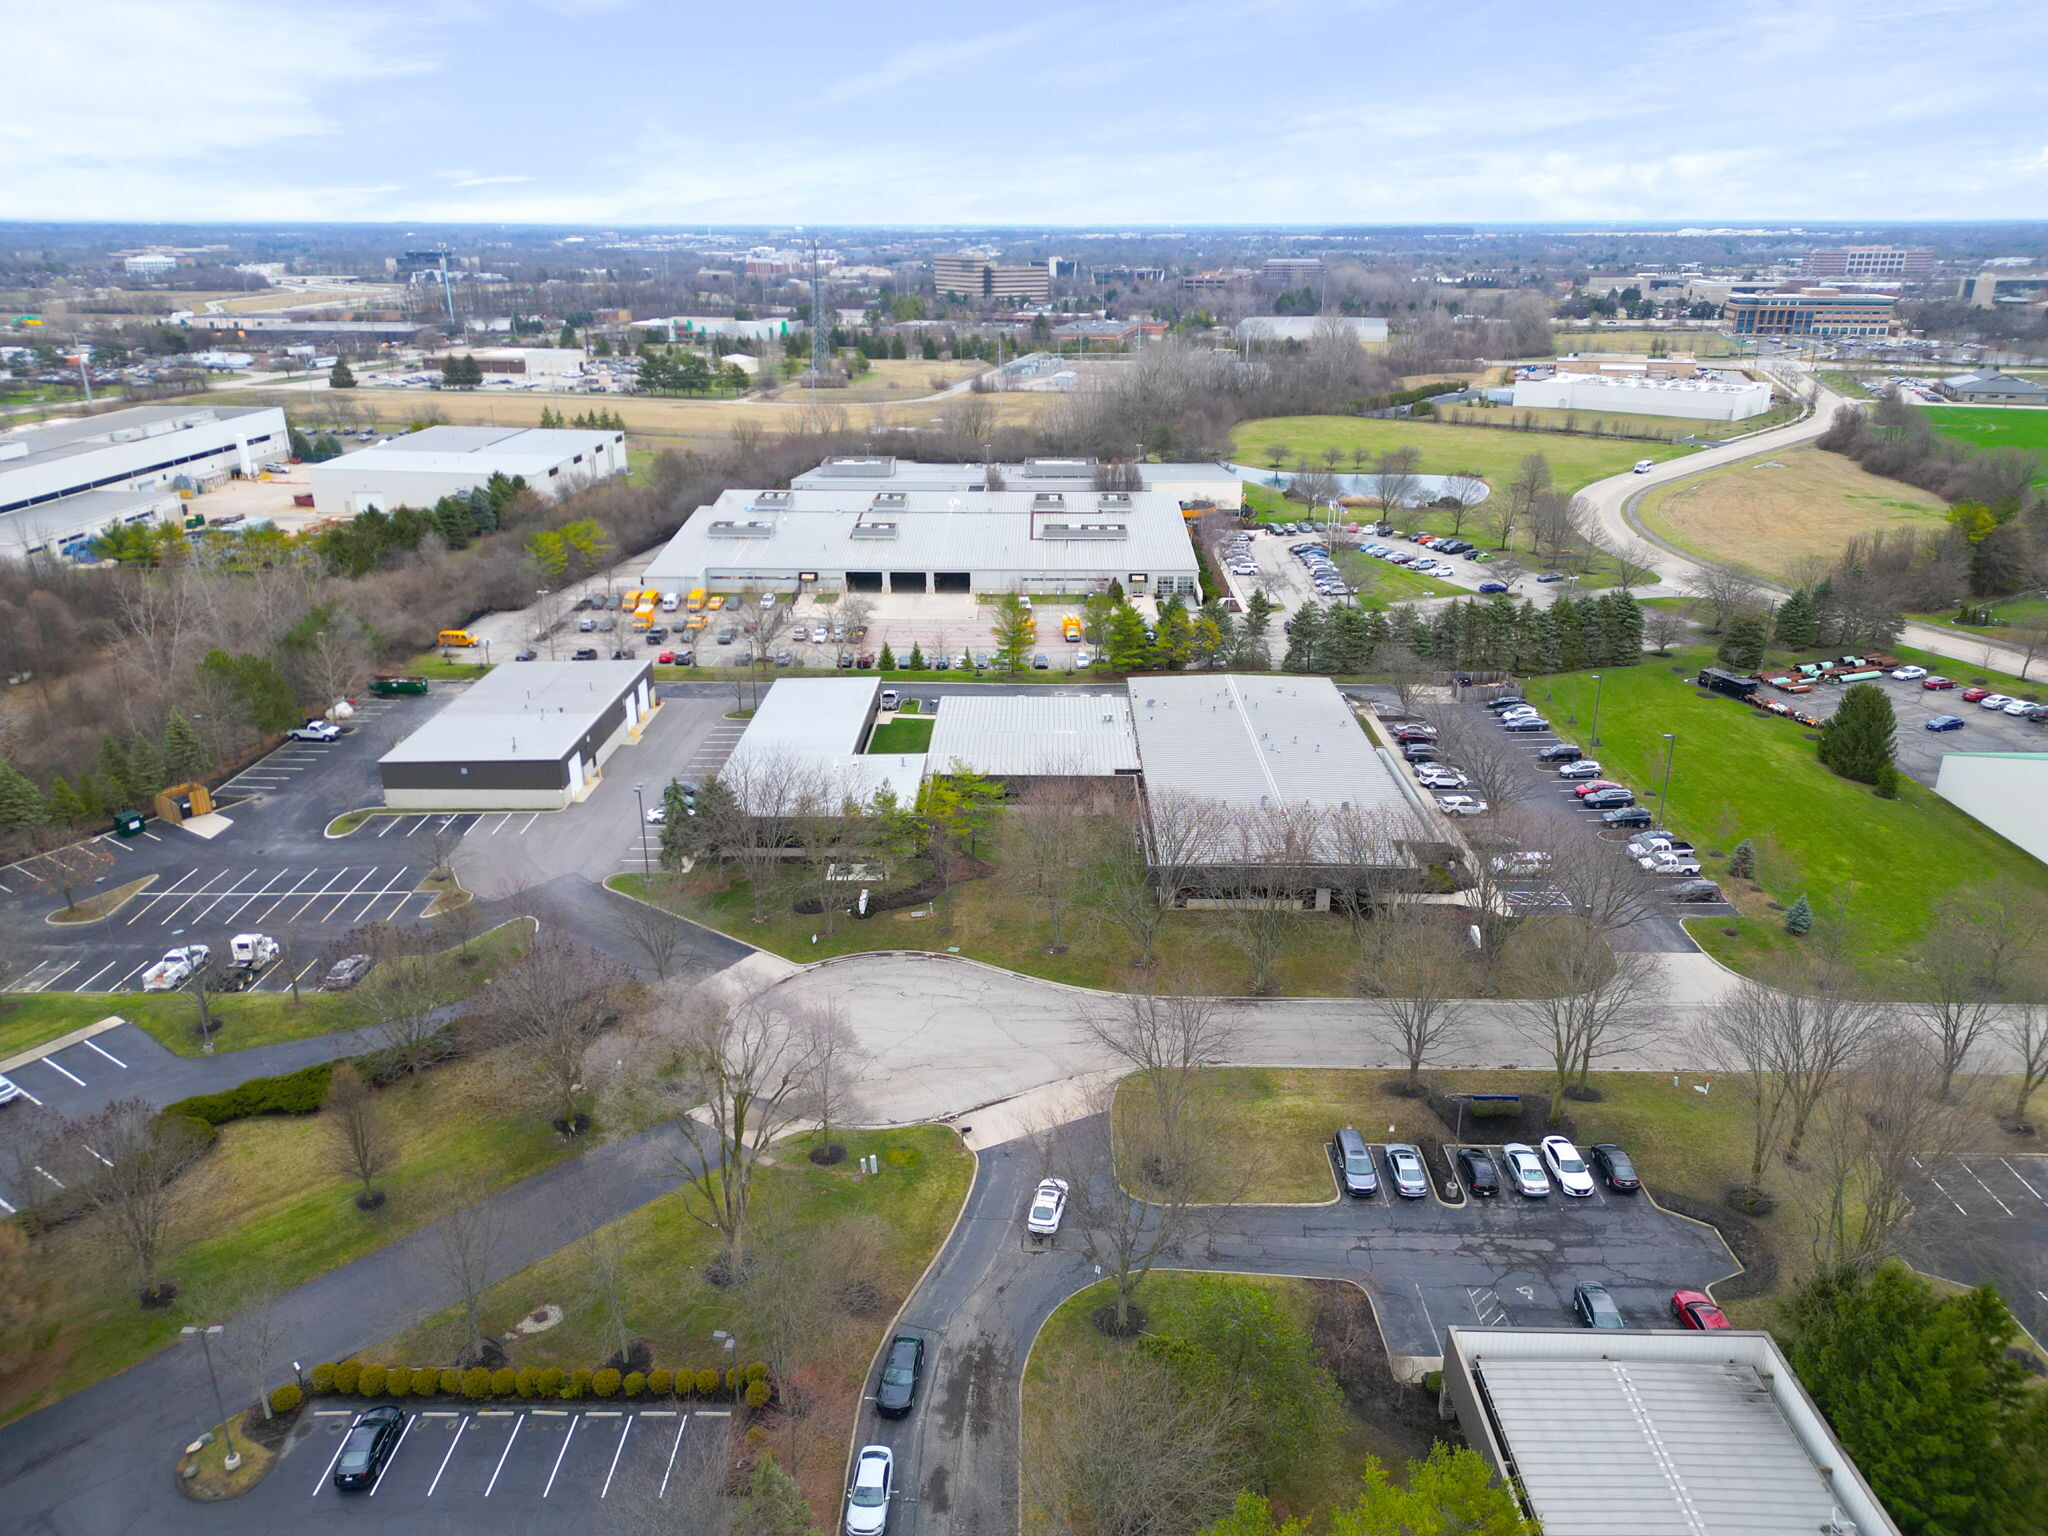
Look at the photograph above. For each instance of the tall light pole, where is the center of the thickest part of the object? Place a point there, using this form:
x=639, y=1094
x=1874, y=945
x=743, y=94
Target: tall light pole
x=1593, y=737
x=234, y=1457
x=639, y=799
x=1664, y=795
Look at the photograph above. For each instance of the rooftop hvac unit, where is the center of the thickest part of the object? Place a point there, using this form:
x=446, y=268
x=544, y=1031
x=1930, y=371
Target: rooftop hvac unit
x=772, y=501
x=870, y=466
x=873, y=531
x=1059, y=469
x=734, y=530
x=896, y=500
x=1048, y=501
x=1085, y=531
x=1113, y=501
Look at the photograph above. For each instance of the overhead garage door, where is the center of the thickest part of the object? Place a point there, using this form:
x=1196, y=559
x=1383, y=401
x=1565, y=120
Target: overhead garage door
x=906, y=581
x=863, y=581
x=952, y=581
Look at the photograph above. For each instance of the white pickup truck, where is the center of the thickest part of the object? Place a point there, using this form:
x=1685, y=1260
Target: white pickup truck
x=177, y=967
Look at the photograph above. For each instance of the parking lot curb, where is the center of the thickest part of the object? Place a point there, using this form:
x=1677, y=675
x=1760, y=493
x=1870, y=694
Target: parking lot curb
x=1740, y=1268
x=62, y=1042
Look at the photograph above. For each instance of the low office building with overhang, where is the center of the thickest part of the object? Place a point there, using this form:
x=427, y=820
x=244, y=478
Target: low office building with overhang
x=1988, y=386
x=886, y=539
x=418, y=469
x=804, y=751
x=1029, y=739
x=1655, y=1432
x=530, y=735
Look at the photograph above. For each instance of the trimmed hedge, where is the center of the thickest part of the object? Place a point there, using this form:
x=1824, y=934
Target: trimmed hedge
x=286, y=1398
x=295, y=1093
x=749, y=1384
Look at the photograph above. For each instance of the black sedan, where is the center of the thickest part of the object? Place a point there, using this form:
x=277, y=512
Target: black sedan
x=371, y=1440
x=1607, y=800
x=902, y=1370
x=1596, y=1307
x=1628, y=816
x=1613, y=1166
x=1478, y=1172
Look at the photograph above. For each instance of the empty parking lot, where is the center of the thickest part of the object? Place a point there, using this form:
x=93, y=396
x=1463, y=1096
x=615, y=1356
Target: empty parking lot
x=1984, y=1217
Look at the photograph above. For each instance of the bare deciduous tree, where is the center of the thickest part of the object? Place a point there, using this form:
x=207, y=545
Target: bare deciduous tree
x=403, y=999
x=1726, y=592
x=1635, y=563
x=658, y=935
x=1583, y=1002
x=135, y=1192
x=360, y=1144
x=1664, y=628
x=1467, y=489
x=547, y=1010
x=1050, y=838
x=1167, y=1036
x=2024, y=1028
x=1414, y=975
x=465, y=1251
x=1494, y=761
x=1972, y=957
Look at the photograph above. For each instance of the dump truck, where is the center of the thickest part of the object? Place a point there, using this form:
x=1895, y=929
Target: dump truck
x=177, y=967
x=249, y=956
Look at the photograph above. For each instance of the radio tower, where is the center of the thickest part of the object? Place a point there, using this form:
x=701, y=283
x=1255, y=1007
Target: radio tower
x=818, y=337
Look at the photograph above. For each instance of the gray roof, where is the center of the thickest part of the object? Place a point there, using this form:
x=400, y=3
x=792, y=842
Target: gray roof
x=1069, y=735
x=879, y=473
x=28, y=527
x=1991, y=381
x=803, y=748
x=89, y=434
x=929, y=530
x=524, y=711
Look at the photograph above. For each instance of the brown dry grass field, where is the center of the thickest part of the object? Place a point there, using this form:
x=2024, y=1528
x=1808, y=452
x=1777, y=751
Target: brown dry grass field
x=1768, y=514
x=895, y=379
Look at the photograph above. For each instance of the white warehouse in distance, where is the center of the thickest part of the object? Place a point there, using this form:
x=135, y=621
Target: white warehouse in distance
x=1702, y=398
x=420, y=468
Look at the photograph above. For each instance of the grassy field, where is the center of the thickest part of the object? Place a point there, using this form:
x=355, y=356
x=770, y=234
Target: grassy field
x=989, y=922
x=902, y=379
x=1666, y=428
x=1992, y=426
x=263, y=1212
x=1446, y=449
x=1769, y=514
x=1739, y=773
x=913, y=735
x=251, y=1018
x=881, y=1231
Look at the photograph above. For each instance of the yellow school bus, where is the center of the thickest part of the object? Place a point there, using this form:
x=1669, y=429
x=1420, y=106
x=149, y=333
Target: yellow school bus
x=460, y=637
x=696, y=601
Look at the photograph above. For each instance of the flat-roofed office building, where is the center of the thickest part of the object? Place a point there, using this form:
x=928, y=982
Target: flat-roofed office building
x=973, y=277
x=1812, y=312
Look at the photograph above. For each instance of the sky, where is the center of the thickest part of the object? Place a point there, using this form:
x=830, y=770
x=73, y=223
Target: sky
x=932, y=112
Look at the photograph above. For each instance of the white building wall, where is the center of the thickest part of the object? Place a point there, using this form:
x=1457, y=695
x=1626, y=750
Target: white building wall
x=1577, y=392
x=237, y=443
x=2006, y=791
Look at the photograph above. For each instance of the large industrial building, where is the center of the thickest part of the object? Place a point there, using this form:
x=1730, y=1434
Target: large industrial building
x=1654, y=1432
x=528, y=735
x=2006, y=791
x=885, y=538
x=1362, y=329
x=420, y=468
x=1871, y=263
x=64, y=482
x=1707, y=396
x=1189, y=483
x=804, y=749
x=1811, y=312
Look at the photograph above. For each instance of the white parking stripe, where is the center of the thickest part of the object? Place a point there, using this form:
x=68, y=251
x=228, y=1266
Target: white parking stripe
x=124, y=984
x=517, y=1424
x=105, y=1161
x=2023, y=1179
x=51, y=1063
x=223, y=896
x=624, y=1431
x=86, y=985
x=529, y=822
x=39, y=1168
x=379, y=1482
x=328, y=1471
x=1985, y=1187
x=559, y=1455
x=30, y=1097
x=4, y=1206
x=447, y=1457
x=390, y=826
x=117, y=1061
x=301, y=912
x=343, y=899
x=670, y=1468
x=265, y=886
x=395, y=883
x=146, y=903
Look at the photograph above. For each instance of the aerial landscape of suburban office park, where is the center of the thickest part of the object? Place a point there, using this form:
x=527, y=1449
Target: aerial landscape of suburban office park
x=960, y=778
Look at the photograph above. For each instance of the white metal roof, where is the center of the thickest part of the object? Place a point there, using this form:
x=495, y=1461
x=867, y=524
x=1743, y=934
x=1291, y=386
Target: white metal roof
x=1069, y=735
x=455, y=450
x=524, y=711
x=803, y=747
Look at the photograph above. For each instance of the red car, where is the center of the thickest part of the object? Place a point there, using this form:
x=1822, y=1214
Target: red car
x=1587, y=788
x=1696, y=1309
x=1972, y=695
x=666, y=658
x=1936, y=683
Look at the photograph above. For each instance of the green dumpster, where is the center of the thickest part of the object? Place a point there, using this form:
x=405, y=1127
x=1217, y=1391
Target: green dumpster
x=128, y=823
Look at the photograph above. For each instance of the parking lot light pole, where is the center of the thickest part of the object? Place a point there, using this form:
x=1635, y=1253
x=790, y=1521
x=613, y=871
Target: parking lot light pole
x=1664, y=794
x=1593, y=736
x=640, y=799
x=234, y=1457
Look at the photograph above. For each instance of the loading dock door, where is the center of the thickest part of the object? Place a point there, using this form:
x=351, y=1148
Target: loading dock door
x=952, y=581
x=863, y=581
x=906, y=581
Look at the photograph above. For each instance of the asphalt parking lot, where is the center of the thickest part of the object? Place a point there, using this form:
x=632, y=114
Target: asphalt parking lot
x=540, y=1469
x=1984, y=1217
x=1920, y=750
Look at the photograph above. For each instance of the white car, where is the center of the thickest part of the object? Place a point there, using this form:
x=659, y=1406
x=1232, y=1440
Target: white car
x=8, y=1092
x=656, y=815
x=315, y=730
x=2021, y=706
x=1525, y=1170
x=1461, y=805
x=1437, y=776
x=1909, y=674
x=1668, y=864
x=1995, y=701
x=1523, y=861
x=1048, y=1205
x=1580, y=768
x=767, y=599
x=1573, y=1176
x=867, y=1501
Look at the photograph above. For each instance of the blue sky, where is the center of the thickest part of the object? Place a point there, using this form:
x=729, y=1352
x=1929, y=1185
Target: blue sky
x=912, y=111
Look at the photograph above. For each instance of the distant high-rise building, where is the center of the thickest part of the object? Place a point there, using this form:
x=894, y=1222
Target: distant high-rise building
x=1870, y=262
x=1058, y=267
x=971, y=277
x=1811, y=312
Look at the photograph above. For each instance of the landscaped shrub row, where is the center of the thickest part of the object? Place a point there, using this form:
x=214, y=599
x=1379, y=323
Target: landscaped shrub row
x=748, y=1384
x=295, y=1093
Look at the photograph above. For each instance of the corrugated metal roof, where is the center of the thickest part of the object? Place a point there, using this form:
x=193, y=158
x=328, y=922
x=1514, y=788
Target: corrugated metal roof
x=1027, y=734
x=803, y=748
x=1654, y=1448
x=526, y=711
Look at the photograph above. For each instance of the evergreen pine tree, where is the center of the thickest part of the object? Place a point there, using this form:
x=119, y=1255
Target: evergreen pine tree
x=1571, y=635
x=1827, y=614
x=145, y=769
x=887, y=660
x=1344, y=639
x=185, y=755
x=1857, y=741
x=916, y=660
x=1799, y=918
x=114, y=771
x=1304, y=640
x=89, y=799
x=1793, y=628
x=66, y=809
x=21, y=803
x=1742, y=644
x=772, y=1505
x=339, y=377
x=1624, y=625
x=1549, y=643
x=1742, y=862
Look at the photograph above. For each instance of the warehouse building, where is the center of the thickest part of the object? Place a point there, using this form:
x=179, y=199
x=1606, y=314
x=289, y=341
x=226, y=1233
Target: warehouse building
x=525, y=736
x=1187, y=482
x=418, y=469
x=143, y=448
x=67, y=526
x=1025, y=739
x=1695, y=1434
x=2006, y=791
x=1707, y=396
x=1362, y=329
x=803, y=750
x=884, y=538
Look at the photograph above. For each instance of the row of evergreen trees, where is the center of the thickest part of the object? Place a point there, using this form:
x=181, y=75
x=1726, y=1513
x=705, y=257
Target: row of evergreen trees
x=1496, y=634
x=130, y=772
x=589, y=421
x=372, y=539
x=1812, y=618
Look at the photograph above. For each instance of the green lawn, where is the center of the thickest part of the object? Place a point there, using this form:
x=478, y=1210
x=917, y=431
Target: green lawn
x=912, y=735
x=1490, y=452
x=263, y=1212
x=1992, y=426
x=249, y=1018
x=1739, y=773
x=1672, y=429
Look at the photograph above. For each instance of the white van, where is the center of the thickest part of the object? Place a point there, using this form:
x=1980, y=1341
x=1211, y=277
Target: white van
x=1644, y=466
x=671, y=601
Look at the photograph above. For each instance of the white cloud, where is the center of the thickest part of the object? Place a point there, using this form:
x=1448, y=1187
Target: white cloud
x=935, y=60
x=487, y=181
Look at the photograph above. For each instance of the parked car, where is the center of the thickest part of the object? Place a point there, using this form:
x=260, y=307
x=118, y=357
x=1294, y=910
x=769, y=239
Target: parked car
x=315, y=730
x=1439, y=776
x=1526, y=723
x=1595, y=1306
x=1355, y=1165
x=346, y=972
x=1566, y=1166
x=526, y=654
x=1048, y=1205
x=1461, y=805
x=1909, y=674
x=902, y=1369
x=1647, y=844
x=1614, y=1167
x=1972, y=695
x=1628, y=816
x=1525, y=1170
x=1936, y=684
x=1947, y=723
x=8, y=1091
x=1696, y=1309
x=1415, y=731
x=1551, y=576
x=1505, y=701
x=1486, y=587
x=1478, y=1171
x=1558, y=752
x=1527, y=861
x=368, y=1445
x=1593, y=787
x=1693, y=890
x=867, y=1501
x=584, y=653
x=1518, y=712
x=1608, y=800
x=1411, y=1179
x=1419, y=751
x=1993, y=700
x=1577, y=768
x=890, y=698
x=2020, y=707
